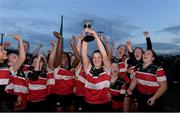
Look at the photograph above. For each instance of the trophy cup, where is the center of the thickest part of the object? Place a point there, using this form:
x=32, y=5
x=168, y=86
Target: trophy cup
x=87, y=24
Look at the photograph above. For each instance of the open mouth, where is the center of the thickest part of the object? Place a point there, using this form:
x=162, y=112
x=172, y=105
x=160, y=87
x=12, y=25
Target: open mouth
x=115, y=71
x=137, y=56
x=145, y=58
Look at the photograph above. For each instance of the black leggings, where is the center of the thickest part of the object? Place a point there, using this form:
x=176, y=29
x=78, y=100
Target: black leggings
x=106, y=107
x=40, y=106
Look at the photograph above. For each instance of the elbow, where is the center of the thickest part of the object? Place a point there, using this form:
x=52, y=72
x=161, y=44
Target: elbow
x=164, y=86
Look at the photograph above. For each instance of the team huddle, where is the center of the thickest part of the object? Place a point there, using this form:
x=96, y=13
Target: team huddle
x=129, y=81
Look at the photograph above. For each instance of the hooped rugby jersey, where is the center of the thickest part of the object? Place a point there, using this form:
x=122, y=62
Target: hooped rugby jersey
x=64, y=81
x=80, y=81
x=148, y=78
x=37, y=88
x=97, y=86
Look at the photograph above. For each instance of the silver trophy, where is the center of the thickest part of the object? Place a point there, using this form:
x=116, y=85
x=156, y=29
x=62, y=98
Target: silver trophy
x=87, y=36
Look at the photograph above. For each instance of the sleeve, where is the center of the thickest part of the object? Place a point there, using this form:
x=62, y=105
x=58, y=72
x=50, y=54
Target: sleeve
x=160, y=75
x=149, y=44
x=126, y=63
x=10, y=86
x=77, y=71
x=123, y=89
x=88, y=69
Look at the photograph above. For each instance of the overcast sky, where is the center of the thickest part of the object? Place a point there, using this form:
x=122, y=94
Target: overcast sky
x=120, y=20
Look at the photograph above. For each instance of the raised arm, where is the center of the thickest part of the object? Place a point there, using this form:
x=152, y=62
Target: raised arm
x=131, y=53
x=6, y=44
x=22, y=54
x=37, y=66
x=148, y=40
x=102, y=50
x=76, y=54
x=52, y=55
x=79, y=43
x=59, y=49
x=85, y=58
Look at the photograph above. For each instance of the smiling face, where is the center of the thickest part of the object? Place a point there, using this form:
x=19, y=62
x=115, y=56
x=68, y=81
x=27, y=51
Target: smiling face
x=3, y=55
x=40, y=64
x=138, y=53
x=115, y=69
x=12, y=58
x=121, y=51
x=26, y=45
x=148, y=56
x=34, y=61
x=97, y=59
x=64, y=60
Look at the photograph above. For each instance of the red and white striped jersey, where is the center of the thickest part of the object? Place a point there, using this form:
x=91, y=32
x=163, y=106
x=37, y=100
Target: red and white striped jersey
x=118, y=87
x=118, y=91
x=50, y=82
x=148, y=78
x=26, y=69
x=17, y=85
x=10, y=79
x=64, y=81
x=37, y=89
x=123, y=65
x=4, y=75
x=20, y=88
x=80, y=81
x=97, y=88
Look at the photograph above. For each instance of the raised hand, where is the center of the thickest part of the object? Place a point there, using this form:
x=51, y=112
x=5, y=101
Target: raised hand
x=17, y=37
x=146, y=34
x=129, y=45
x=57, y=35
x=6, y=44
x=73, y=39
x=53, y=43
x=92, y=32
x=37, y=65
x=80, y=37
